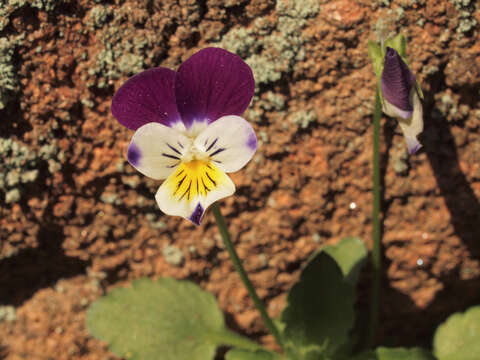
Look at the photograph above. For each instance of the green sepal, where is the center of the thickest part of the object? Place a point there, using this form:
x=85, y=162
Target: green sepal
x=399, y=43
x=375, y=53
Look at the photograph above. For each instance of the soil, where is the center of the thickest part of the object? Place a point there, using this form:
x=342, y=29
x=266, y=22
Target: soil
x=86, y=221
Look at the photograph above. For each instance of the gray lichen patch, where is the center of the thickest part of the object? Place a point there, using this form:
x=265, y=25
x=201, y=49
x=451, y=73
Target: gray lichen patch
x=46, y=5
x=272, y=49
x=303, y=118
x=9, y=83
x=123, y=50
x=299, y=9
x=467, y=21
x=118, y=57
x=19, y=166
x=272, y=101
x=240, y=41
x=8, y=313
x=97, y=17
x=173, y=255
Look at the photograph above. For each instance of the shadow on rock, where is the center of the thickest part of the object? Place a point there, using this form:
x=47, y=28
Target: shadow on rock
x=441, y=150
x=3, y=352
x=29, y=270
x=403, y=323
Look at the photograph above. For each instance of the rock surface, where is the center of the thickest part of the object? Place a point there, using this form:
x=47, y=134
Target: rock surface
x=77, y=220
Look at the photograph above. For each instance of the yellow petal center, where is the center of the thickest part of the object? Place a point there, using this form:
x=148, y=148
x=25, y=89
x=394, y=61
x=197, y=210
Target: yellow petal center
x=194, y=178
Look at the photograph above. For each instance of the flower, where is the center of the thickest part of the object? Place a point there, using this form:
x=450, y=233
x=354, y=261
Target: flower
x=401, y=98
x=399, y=89
x=188, y=129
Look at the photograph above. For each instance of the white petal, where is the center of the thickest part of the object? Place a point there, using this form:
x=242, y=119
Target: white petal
x=230, y=142
x=393, y=111
x=192, y=188
x=414, y=126
x=156, y=150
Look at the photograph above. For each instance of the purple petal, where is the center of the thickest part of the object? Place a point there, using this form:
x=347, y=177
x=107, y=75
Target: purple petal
x=147, y=97
x=252, y=141
x=134, y=154
x=412, y=145
x=213, y=83
x=397, y=81
x=197, y=215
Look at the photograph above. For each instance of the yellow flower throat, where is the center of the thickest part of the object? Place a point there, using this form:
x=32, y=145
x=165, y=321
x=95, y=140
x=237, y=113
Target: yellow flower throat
x=194, y=178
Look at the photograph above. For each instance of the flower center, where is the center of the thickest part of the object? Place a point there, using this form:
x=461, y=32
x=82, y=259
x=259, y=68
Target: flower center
x=193, y=153
x=194, y=178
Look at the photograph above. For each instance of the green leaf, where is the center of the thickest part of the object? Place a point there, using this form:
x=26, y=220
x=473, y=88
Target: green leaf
x=459, y=336
x=242, y=354
x=319, y=311
x=167, y=319
x=350, y=254
x=403, y=354
x=383, y=353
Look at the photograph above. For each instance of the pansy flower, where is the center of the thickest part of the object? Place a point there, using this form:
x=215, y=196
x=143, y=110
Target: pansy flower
x=188, y=128
x=400, y=92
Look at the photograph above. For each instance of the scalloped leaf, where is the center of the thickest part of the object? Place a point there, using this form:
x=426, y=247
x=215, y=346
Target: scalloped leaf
x=319, y=312
x=383, y=353
x=350, y=254
x=176, y=319
x=403, y=354
x=459, y=336
x=242, y=354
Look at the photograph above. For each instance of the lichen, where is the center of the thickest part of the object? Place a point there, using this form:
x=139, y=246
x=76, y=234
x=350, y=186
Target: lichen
x=240, y=41
x=9, y=83
x=461, y=3
x=467, y=20
x=272, y=101
x=154, y=221
x=303, y=118
x=12, y=196
x=122, y=54
x=20, y=166
x=46, y=5
x=300, y=9
x=467, y=23
x=110, y=199
x=400, y=163
x=273, y=49
x=173, y=255
x=98, y=16
x=264, y=70
x=6, y=9
x=8, y=313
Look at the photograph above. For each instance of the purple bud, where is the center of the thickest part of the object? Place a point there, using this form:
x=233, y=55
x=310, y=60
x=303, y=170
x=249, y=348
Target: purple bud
x=397, y=82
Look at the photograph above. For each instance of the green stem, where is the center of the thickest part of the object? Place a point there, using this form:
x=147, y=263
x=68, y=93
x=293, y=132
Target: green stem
x=243, y=275
x=376, y=252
